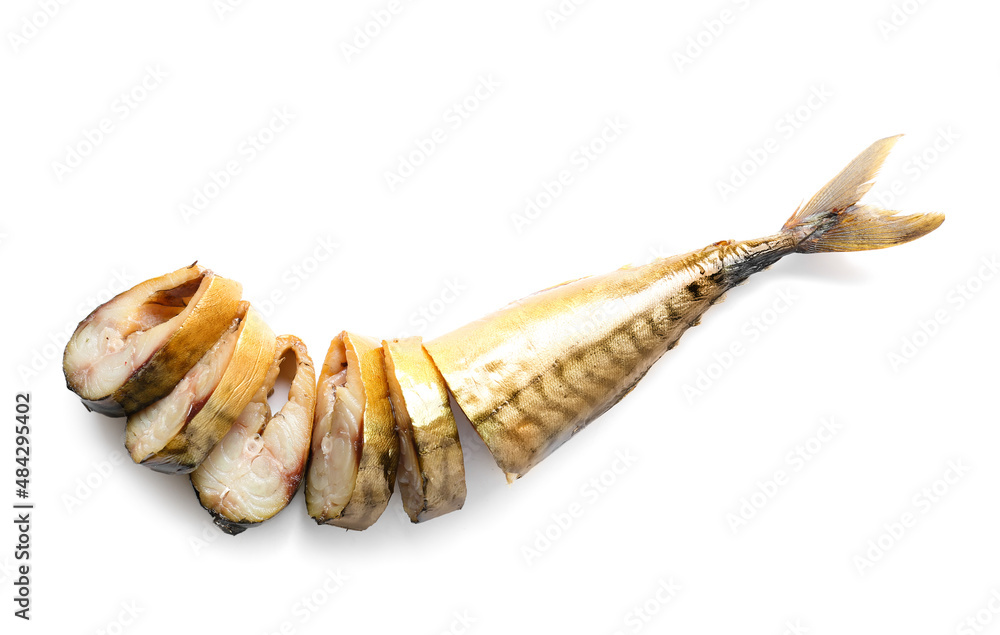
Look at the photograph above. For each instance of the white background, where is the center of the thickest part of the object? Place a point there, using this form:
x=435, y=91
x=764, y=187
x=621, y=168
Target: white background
x=108, y=535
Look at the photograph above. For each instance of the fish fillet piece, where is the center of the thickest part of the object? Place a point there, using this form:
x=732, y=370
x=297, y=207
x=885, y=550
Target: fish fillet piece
x=534, y=373
x=354, y=451
x=431, y=473
x=176, y=433
x=256, y=469
x=134, y=348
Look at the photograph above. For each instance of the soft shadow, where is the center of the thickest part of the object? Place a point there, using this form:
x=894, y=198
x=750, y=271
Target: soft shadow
x=111, y=430
x=834, y=268
x=483, y=478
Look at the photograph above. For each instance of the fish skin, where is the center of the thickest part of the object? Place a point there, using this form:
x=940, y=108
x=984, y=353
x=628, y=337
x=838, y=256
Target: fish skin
x=537, y=371
x=280, y=442
x=147, y=431
x=379, y=451
x=151, y=382
x=240, y=381
x=534, y=373
x=209, y=311
x=428, y=436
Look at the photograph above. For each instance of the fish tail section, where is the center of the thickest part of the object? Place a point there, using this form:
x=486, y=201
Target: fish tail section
x=833, y=220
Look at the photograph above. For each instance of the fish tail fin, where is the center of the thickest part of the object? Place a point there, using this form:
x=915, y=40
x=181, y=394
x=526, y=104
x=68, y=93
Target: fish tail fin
x=833, y=220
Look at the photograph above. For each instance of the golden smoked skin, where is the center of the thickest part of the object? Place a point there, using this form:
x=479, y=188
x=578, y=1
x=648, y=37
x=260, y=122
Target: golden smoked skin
x=192, y=366
x=255, y=470
x=431, y=473
x=242, y=378
x=379, y=448
x=536, y=372
x=161, y=326
x=147, y=431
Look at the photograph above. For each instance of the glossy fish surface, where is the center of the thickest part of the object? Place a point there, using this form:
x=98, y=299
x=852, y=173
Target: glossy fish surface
x=534, y=373
x=431, y=473
x=380, y=414
x=133, y=349
x=210, y=402
x=254, y=471
x=352, y=463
